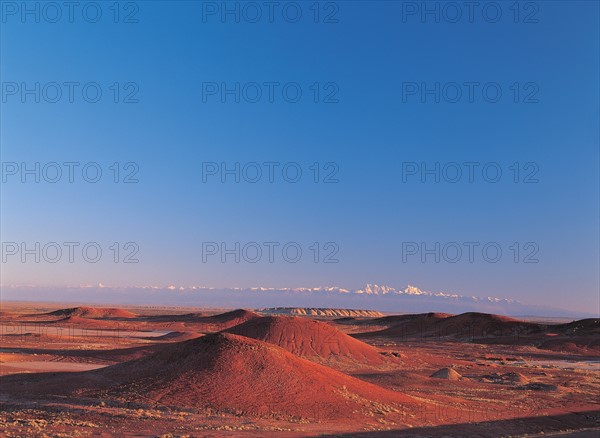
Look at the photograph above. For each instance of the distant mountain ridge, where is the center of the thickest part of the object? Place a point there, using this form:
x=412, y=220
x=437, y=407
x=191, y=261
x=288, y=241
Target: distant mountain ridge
x=374, y=297
x=373, y=289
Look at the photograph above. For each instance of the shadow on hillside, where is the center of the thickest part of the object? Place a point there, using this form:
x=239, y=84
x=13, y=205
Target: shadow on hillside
x=580, y=424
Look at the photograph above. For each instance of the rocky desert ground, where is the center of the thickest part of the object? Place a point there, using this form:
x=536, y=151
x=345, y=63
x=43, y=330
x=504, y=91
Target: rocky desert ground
x=68, y=370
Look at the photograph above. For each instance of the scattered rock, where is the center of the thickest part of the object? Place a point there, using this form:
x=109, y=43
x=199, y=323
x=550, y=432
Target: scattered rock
x=447, y=374
x=538, y=387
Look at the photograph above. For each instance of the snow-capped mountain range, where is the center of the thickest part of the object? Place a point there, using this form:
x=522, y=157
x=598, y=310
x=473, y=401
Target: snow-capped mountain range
x=370, y=297
x=374, y=289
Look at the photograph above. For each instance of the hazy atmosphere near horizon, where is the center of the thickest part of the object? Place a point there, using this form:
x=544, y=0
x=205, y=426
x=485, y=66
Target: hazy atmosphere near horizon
x=299, y=218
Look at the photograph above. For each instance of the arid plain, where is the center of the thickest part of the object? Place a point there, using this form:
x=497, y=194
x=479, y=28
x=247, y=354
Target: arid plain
x=68, y=370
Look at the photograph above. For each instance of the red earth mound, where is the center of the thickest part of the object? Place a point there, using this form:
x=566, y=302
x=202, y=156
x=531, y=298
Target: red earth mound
x=89, y=323
x=483, y=325
x=578, y=337
x=241, y=315
x=227, y=373
x=582, y=334
x=582, y=327
x=93, y=312
x=175, y=336
x=511, y=378
x=466, y=325
x=479, y=317
x=201, y=322
x=390, y=320
x=446, y=374
x=230, y=319
x=574, y=344
x=395, y=319
x=308, y=338
x=406, y=326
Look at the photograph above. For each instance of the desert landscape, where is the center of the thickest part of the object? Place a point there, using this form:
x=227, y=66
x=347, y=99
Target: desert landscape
x=300, y=219
x=165, y=371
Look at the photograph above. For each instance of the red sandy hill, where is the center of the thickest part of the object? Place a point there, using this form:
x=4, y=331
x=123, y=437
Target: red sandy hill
x=579, y=337
x=474, y=324
x=406, y=326
x=198, y=321
x=93, y=312
x=396, y=319
x=308, y=338
x=232, y=318
x=466, y=325
x=391, y=320
x=227, y=373
x=88, y=323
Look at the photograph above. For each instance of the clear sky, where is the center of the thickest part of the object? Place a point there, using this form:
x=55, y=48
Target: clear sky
x=373, y=128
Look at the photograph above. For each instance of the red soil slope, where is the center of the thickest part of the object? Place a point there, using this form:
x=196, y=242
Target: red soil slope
x=199, y=321
x=466, y=325
x=406, y=326
x=308, y=338
x=232, y=318
x=175, y=336
x=578, y=337
x=223, y=372
x=475, y=325
x=589, y=326
x=88, y=323
x=395, y=319
x=93, y=312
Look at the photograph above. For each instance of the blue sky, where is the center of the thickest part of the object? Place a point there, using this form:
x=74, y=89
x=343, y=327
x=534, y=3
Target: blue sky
x=367, y=57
